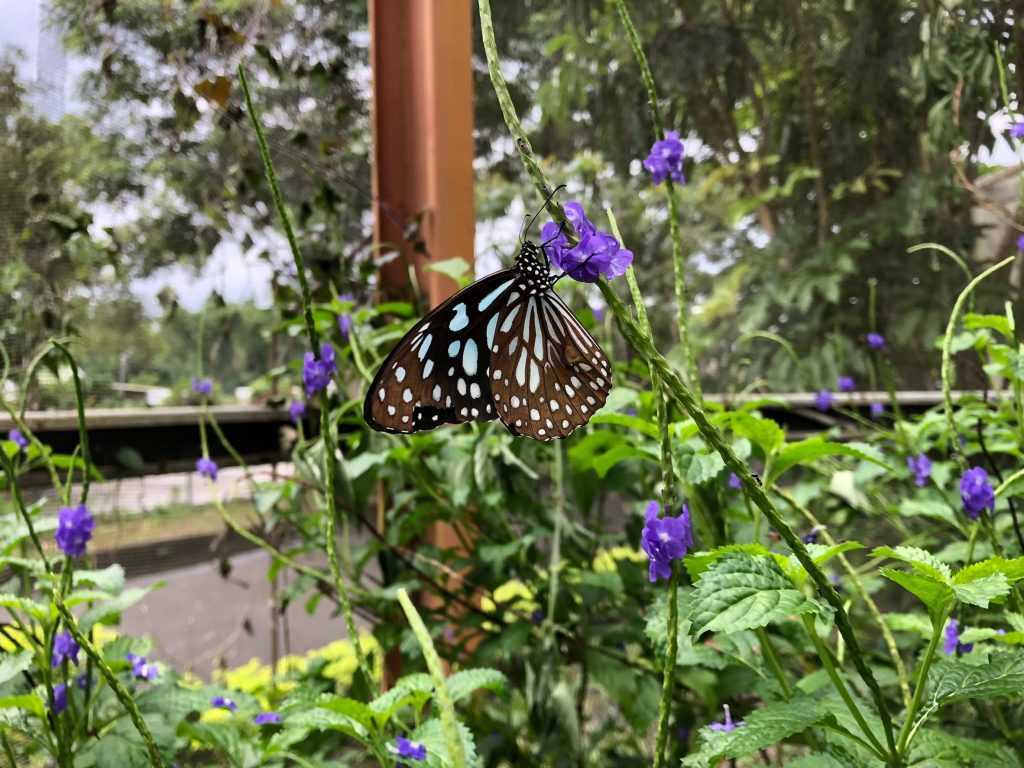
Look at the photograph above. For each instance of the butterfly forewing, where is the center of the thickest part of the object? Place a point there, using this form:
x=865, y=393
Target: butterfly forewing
x=505, y=347
x=548, y=375
x=438, y=372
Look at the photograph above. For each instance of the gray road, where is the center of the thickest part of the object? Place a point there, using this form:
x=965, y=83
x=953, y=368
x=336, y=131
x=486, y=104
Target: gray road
x=197, y=621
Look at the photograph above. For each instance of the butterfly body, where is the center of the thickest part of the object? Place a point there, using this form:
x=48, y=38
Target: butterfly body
x=504, y=347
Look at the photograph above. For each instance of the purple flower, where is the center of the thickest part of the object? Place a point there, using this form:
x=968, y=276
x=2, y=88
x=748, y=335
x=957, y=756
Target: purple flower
x=666, y=159
x=976, y=492
x=410, y=750
x=877, y=410
x=1020, y=243
x=537, y=617
x=823, y=400
x=951, y=644
x=598, y=314
x=845, y=384
x=727, y=724
x=921, y=466
x=597, y=253
x=82, y=681
x=734, y=481
x=665, y=539
x=202, y=386
x=345, y=319
x=1017, y=132
x=74, y=529
x=64, y=647
x=318, y=371
x=876, y=340
x=19, y=439
x=60, y=698
x=267, y=718
x=142, y=669
x=223, y=702
x=811, y=537
x=297, y=410
x=206, y=467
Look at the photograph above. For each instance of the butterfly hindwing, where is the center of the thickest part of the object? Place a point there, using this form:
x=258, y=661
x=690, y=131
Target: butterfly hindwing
x=548, y=374
x=438, y=372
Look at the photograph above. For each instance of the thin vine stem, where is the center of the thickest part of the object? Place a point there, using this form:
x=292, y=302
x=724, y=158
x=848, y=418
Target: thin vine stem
x=449, y=724
x=122, y=694
x=947, y=355
x=678, y=260
x=19, y=503
x=676, y=388
x=83, y=433
x=919, y=683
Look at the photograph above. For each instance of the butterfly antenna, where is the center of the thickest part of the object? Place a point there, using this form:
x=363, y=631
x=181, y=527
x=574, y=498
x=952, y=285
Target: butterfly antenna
x=547, y=200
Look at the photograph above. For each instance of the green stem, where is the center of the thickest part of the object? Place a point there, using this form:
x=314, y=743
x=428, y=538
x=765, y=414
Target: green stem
x=858, y=587
x=234, y=454
x=669, y=669
x=12, y=482
x=8, y=751
x=947, y=354
x=837, y=682
x=919, y=683
x=332, y=541
x=555, y=560
x=684, y=398
x=508, y=111
x=155, y=758
x=444, y=701
x=775, y=662
x=282, y=212
x=678, y=260
x=83, y=433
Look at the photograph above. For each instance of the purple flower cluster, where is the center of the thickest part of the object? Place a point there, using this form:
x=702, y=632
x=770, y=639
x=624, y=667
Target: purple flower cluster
x=318, y=371
x=18, y=438
x=845, y=384
x=202, y=386
x=665, y=539
x=727, y=724
x=267, y=718
x=141, y=668
x=976, y=492
x=666, y=159
x=921, y=467
x=206, y=467
x=951, y=644
x=60, y=698
x=410, y=750
x=297, y=410
x=345, y=319
x=823, y=400
x=876, y=340
x=597, y=253
x=223, y=702
x=74, y=529
x=64, y=648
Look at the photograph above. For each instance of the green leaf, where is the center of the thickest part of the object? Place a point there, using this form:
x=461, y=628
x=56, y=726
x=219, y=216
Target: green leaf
x=454, y=268
x=431, y=735
x=13, y=664
x=111, y=610
x=764, y=433
x=699, y=562
x=110, y=579
x=982, y=591
x=998, y=323
x=935, y=595
x=412, y=690
x=462, y=684
x=704, y=467
x=921, y=561
x=955, y=679
x=820, y=554
x=37, y=610
x=643, y=426
x=806, y=451
x=1013, y=570
x=744, y=592
x=28, y=702
x=762, y=728
x=934, y=748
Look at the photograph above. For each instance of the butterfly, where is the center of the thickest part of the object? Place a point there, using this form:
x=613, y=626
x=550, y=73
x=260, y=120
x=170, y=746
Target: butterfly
x=505, y=347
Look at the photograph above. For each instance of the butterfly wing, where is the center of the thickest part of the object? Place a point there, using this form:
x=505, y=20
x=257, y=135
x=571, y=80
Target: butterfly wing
x=438, y=372
x=548, y=374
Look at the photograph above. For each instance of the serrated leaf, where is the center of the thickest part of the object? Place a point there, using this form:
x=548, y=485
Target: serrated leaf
x=764, y=433
x=1013, y=570
x=414, y=690
x=13, y=664
x=955, y=679
x=762, y=728
x=28, y=702
x=744, y=592
x=982, y=591
x=643, y=426
x=921, y=561
x=109, y=579
x=699, y=562
x=464, y=683
x=431, y=735
x=813, y=448
x=935, y=595
x=933, y=748
x=112, y=609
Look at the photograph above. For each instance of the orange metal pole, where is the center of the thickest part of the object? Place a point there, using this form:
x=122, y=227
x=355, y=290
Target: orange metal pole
x=421, y=54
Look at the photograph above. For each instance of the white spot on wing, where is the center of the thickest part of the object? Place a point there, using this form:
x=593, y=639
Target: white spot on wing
x=454, y=347
x=461, y=319
x=487, y=300
x=407, y=395
x=437, y=392
x=534, y=375
x=426, y=345
x=400, y=374
x=428, y=368
x=469, y=358
x=474, y=390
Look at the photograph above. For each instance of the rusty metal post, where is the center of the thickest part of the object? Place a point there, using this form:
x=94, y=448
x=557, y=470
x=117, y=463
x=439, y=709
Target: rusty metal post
x=421, y=54
x=420, y=51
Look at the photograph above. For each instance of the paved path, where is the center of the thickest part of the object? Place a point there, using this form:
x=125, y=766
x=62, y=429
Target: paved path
x=200, y=621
